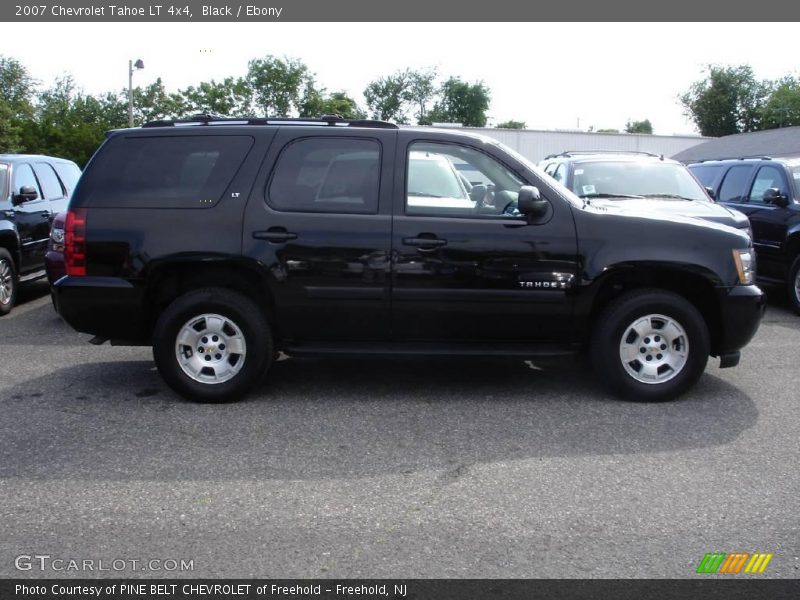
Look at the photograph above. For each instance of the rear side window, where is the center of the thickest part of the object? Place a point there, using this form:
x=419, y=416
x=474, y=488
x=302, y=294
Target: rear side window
x=69, y=173
x=733, y=185
x=51, y=186
x=164, y=172
x=327, y=175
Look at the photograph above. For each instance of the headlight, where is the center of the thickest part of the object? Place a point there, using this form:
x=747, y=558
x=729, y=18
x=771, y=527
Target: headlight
x=745, y=265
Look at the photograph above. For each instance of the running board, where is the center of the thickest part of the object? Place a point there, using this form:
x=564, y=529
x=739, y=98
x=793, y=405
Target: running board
x=32, y=276
x=364, y=349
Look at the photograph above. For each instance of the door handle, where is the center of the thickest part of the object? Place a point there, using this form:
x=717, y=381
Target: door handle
x=432, y=242
x=276, y=235
x=425, y=244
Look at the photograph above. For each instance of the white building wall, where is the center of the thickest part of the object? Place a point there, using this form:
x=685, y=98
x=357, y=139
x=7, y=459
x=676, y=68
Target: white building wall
x=535, y=145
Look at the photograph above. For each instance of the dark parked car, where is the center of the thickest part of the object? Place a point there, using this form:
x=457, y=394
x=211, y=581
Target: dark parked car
x=768, y=192
x=222, y=242
x=33, y=189
x=638, y=180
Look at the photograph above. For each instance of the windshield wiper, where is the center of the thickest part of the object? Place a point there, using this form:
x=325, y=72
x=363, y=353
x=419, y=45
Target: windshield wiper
x=424, y=195
x=586, y=196
x=679, y=197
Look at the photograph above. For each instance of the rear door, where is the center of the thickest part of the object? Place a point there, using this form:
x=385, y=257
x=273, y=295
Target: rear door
x=466, y=267
x=319, y=221
x=55, y=193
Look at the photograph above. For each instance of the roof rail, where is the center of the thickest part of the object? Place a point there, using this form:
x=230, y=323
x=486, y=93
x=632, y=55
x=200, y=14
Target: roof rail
x=325, y=120
x=568, y=153
x=757, y=157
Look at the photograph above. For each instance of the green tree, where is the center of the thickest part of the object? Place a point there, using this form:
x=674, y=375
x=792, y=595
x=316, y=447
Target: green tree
x=317, y=102
x=729, y=100
x=461, y=102
x=511, y=125
x=17, y=91
x=232, y=97
x=420, y=92
x=71, y=124
x=277, y=85
x=386, y=97
x=639, y=127
x=783, y=107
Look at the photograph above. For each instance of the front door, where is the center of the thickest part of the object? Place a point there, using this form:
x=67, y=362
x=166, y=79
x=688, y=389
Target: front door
x=467, y=267
x=32, y=219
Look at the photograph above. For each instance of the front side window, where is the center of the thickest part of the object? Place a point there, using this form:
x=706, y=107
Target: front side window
x=329, y=175
x=190, y=171
x=767, y=177
x=23, y=175
x=454, y=180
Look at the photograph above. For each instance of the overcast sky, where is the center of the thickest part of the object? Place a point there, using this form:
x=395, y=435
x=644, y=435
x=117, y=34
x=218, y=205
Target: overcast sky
x=550, y=75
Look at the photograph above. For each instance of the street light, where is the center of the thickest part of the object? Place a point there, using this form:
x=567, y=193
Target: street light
x=132, y=66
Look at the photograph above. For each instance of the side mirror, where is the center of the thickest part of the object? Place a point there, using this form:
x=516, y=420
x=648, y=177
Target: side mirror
x=530, y=202
x=26, y=194
x=710, y=191
x=774, y=196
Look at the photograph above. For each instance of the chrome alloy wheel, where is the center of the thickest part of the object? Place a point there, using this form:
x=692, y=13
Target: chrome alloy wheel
x=654, y=349
x=6, y=282
x=210, y=348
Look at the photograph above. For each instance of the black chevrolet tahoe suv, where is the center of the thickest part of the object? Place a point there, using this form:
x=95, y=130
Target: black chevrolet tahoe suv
x=223, y=242
x=33, y=190
x=768, y=191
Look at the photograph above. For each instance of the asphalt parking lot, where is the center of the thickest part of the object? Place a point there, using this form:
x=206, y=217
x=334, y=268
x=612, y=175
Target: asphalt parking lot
x=392, y=469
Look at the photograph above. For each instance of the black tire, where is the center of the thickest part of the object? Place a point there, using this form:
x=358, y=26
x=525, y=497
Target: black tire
x=607, y=345
x=9, y=280
x=793, y=285
x=243, y=320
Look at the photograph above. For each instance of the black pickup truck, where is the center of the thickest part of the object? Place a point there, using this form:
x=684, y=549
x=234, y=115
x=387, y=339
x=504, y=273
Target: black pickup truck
x=221, y=242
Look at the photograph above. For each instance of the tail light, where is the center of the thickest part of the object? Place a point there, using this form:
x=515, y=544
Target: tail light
x=75, y=242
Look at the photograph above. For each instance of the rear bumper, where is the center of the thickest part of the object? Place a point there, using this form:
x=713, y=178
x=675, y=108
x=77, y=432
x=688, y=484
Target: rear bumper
x=741, y=310
x=107, y=307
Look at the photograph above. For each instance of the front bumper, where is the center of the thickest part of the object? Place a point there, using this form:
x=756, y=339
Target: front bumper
x=741, y=310
x=106, y=307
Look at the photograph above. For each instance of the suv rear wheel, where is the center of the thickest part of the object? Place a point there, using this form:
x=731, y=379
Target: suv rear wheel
x=650, y=345
x=8, y=282
x=212, y=345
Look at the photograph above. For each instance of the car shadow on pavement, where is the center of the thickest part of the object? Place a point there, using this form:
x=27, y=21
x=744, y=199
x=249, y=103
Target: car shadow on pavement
x=336, y=418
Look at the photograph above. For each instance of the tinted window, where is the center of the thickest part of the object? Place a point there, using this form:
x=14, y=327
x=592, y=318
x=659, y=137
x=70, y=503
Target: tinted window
x=51, y=186
x=707, y=174
x=23, y=175
x=435, y=184
x=176, y=172
x=327, y=175
x=768, y=177
x=733, y=184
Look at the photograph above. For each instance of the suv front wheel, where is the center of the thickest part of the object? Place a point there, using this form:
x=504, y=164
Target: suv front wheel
x=8, y=282
x=212, y=345
x=650, y=345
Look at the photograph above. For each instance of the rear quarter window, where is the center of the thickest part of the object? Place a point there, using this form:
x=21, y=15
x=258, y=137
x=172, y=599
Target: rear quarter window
x=191, y=171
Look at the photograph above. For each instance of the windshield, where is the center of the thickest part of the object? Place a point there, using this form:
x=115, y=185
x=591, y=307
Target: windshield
x=3, y=179
x=620, y=179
